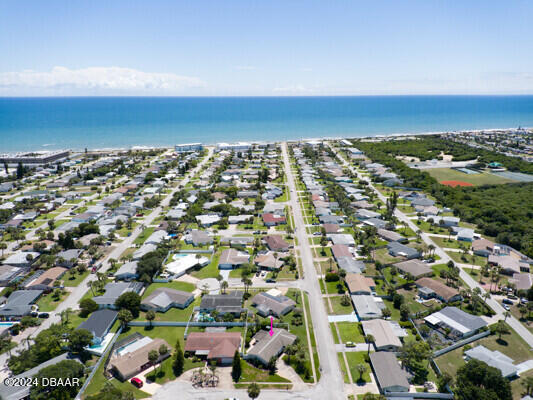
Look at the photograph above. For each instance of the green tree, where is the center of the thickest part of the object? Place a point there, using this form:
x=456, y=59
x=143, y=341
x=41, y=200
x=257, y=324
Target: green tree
x=236, y=369
x=477, y=381
x=361, y=368
x=253, y=391
x=153, y=356
x=179, y=360
x=88, y=306
x=130, y=301
x=64, y=369
x=125, y=317
x=78, y=339
x=150, y=316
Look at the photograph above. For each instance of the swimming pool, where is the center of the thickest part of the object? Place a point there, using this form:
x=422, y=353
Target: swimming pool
x=7, y=323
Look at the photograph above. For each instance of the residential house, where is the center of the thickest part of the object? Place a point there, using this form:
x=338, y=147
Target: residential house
x=274, y=219
x=391, y=236
x=240, y=219
x=208, y=220
x=9, y=274
x=99, y=324
x=376, y=223
x=359, y=284
x=162, y=299
x=366, y=307
x=19, y=304
x=522, y=281
x=231, y=258
x=384, y=333
x=264, y=346
x=482, y=247
x=44, y=280
x=493, y=358
x=390, y=377
x=114, y=290
x=276, y=243
x=143, y=250
x=127, y=272
x=459, y=323
x=416, y=268
x=430, y=288
x=22, y=259
x=272, y=303
x=128, y=363
x=351, y=265
x=198, y=238
x=340, y=250
x=342, y=238
x=219, y=347
x=223, y=303
x=68, y=258
x=400, y=250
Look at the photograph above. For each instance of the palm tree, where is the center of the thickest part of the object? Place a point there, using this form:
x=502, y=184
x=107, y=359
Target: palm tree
x=361, y=368
x=369, y=339
x=3, y=246
x=486, y=296
x=224, y=285
x=505, y=315
x=91, y=286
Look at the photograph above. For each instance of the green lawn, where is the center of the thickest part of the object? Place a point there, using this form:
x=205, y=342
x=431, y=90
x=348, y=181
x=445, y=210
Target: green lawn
x=355, y=358
x=338, y=308
x=484, y=178
x=350, y=332
x=47, y=303
x=452, y=244
x=176, y=285
x=383, y=256
x=334, y=332
x=511, y=345
x=174, y=314
x=145, y=234
x=209, y=271
x=74, y=280
x=469, y=258
x=342, y=364
x=253, y=374
x=395, y=280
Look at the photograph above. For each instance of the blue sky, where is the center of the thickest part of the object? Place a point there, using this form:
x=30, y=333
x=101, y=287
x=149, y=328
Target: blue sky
x=204, y=48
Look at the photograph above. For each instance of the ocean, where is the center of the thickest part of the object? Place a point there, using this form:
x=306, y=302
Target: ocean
x=121, y=122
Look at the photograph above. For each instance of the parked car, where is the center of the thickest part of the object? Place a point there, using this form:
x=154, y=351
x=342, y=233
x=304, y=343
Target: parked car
x=507, y=301
x=136, y=382
x=350, y=344
x=44, y=315
x=506, y=307
x=270, y=280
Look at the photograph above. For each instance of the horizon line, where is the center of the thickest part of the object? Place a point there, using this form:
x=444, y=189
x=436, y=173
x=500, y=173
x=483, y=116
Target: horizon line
x=272, y=96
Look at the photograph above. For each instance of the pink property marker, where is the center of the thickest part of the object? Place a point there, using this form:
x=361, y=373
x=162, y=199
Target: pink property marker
x=271, y=332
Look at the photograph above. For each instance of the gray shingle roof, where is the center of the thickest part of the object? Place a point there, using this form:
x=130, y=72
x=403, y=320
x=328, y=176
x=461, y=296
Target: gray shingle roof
x=388, y=372
x=99, y=322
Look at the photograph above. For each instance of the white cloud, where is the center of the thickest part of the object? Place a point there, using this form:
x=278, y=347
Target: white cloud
x=97, y=80
x=293, y=89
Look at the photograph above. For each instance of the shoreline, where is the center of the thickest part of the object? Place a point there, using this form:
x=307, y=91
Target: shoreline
x=303, y=139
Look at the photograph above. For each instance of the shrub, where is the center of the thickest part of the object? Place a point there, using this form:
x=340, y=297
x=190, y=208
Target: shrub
x=332, y=277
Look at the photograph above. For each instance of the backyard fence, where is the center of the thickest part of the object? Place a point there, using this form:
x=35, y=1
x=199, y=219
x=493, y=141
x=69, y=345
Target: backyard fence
x=461, y=343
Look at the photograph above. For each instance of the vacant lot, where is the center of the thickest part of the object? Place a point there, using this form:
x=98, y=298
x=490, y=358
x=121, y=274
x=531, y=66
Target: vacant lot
x=484, y=178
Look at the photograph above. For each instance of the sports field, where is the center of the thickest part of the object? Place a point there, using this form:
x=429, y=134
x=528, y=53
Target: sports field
x=483, y=178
